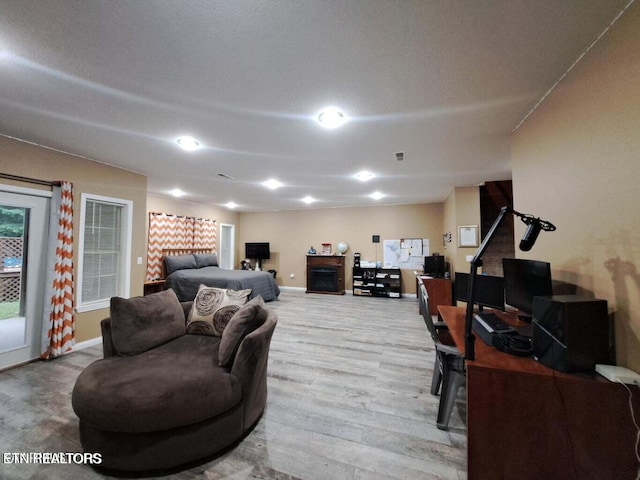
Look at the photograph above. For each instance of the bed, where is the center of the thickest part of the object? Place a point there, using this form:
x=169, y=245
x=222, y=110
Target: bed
x=185, y=270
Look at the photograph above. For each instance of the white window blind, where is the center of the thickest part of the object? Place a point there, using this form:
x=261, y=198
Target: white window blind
x=105, y=251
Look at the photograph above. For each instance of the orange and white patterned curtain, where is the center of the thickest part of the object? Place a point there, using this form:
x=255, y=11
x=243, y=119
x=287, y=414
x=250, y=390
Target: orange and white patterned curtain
x=58, y=326
x=204, y=233
x=172, y=231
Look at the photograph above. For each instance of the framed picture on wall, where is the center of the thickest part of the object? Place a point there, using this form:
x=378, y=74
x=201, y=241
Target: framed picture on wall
x=468, y=236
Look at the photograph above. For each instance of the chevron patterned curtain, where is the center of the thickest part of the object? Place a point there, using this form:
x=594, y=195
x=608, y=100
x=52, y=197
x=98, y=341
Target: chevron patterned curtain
x=58, y=323
x=204, y=233
x=172, y=231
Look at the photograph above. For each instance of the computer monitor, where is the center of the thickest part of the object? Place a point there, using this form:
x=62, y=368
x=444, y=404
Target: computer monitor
x=489, y=290
x=523, y=280
x=435, y=265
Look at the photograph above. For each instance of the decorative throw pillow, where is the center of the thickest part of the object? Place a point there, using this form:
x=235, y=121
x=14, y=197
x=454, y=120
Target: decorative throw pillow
x=213, y=308
x=142, y=323
x=247, y=319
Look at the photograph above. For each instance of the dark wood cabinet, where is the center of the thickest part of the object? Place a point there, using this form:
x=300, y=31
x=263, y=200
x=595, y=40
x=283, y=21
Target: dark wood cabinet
x=325, y=274
x=153, y=286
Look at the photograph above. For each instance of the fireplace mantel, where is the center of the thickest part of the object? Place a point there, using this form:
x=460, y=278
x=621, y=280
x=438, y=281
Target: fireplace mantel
x=325, y=274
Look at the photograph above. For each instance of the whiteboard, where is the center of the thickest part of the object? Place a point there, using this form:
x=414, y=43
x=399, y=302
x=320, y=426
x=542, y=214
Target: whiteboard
x=407, y=253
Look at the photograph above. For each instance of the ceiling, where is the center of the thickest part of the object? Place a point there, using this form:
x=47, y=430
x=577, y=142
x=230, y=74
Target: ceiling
x=445, y=82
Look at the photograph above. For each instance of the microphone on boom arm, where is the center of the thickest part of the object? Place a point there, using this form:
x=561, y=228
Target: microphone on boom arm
x=534, y=226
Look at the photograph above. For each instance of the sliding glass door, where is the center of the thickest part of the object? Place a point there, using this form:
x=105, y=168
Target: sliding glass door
x=23, y=227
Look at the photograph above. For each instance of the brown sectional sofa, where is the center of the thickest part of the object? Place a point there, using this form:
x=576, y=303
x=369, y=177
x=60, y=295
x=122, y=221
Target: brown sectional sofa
x=162, y=398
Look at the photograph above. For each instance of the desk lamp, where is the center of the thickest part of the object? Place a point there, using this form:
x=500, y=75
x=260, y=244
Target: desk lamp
x=534, y=226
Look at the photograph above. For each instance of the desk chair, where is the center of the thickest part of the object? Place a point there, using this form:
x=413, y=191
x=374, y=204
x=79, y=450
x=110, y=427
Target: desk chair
x=448, y=370
x=436, y=329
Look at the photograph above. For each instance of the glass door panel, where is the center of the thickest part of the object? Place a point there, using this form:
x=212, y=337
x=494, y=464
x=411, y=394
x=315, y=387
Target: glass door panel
x=23, y=223
x=227, y=246
x=13, y=239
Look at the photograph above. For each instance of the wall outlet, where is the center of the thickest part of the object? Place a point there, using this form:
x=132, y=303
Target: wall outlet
x=292, y=275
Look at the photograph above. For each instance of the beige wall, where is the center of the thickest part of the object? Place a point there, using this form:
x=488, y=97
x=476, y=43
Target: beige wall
x=18, y=158
x=292, y=233
x=462, y=207
x=576, y=162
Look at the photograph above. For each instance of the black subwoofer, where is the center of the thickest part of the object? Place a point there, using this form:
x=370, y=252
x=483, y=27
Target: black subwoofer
x=571, y=332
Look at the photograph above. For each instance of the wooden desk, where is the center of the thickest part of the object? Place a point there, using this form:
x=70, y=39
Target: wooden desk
x=526, y=421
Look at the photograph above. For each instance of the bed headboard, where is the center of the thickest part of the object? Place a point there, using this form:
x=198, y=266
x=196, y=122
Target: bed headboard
x=173, y=252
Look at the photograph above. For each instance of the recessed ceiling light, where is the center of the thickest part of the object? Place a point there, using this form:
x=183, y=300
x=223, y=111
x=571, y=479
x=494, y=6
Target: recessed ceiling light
x=176, y=192
x=376, y=195
x=364, y=176
x=272, y=184
x=308, y=199
x=331, y=118
x=188, y=143
x=231, y=205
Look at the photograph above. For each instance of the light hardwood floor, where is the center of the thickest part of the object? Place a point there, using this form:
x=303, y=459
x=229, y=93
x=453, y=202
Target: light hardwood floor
x=349, y=381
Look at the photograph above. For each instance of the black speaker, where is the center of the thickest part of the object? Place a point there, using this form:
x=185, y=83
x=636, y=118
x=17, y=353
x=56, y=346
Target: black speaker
x=570, y=332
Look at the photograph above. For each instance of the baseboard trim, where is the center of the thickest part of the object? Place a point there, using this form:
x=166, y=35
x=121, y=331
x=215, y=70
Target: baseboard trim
x=293, y=289
x=87, y=343
x=347, y=292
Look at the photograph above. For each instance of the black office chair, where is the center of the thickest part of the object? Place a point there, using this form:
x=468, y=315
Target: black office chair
x=449, y=370
x=435, y=329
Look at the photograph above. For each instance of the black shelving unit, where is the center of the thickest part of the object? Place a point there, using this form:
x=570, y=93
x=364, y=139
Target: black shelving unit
x=376, y=282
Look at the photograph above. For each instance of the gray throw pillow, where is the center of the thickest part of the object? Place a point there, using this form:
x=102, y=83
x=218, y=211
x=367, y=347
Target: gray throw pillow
x=179, y=262
x=248, y=318
x=142, y=323
x=213, y=308
x=206, y=260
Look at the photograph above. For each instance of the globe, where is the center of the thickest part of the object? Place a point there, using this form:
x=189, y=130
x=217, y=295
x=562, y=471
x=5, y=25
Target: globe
x=342, y=248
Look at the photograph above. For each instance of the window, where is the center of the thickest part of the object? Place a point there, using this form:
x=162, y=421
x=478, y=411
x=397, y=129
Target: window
x=105, y=251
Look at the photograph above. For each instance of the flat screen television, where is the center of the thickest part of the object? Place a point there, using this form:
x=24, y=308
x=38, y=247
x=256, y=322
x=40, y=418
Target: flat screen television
x=489, y=290
x=257, y=250
x=435, y=265
x=523, y=280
